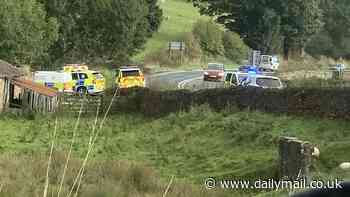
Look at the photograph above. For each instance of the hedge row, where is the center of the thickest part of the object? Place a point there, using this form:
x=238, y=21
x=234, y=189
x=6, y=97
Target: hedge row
x=331, y=103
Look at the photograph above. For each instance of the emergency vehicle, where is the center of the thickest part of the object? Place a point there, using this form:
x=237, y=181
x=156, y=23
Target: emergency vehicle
x=268, y=63
x=85, y=80
x=73, y=78
x=60, y=81
x=252, y=79
x=128, y=77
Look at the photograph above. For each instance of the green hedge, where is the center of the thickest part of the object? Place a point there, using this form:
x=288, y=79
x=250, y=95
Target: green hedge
x=330, y=103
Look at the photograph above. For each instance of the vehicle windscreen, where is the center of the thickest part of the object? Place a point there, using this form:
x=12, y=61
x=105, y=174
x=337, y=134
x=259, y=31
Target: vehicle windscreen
x=228, y=77
x=268, y=82
x=131, y=73
x=98, y=76
x=215, y=67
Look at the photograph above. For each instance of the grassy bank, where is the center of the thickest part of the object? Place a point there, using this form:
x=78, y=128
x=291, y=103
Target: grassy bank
x=190, y=146
x=25, y=176
x=179, y=17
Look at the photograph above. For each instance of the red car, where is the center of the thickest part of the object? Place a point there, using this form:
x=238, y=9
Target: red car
x=214, y=72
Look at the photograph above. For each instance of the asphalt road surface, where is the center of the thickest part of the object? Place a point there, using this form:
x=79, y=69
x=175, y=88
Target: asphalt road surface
x=192, y=80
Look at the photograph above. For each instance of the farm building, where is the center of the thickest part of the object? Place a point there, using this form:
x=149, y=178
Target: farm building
x=17, y=93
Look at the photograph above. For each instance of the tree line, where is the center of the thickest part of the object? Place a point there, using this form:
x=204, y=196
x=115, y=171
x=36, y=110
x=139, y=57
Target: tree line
x=288, y=27
x=52, y=31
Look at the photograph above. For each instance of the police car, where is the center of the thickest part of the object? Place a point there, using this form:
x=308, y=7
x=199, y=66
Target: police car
x=252, y=77
x=262, y=81
x=129, y=76
x=73, y=79
x=85, y=80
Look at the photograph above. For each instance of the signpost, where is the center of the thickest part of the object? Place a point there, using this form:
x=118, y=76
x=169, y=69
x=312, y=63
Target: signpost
x=176, y=49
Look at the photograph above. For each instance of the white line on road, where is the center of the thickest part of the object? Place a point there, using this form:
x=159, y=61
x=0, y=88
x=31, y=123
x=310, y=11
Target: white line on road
x=182, y=84
x=173, y=72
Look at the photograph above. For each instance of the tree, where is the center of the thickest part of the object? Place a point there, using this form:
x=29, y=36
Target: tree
x=102, y=30
x=155, y=15
x=193, y=48
x=25, y=31
x=301, y=19
x=268, y=24
x=235, y=49
x=335, y=35
x=209, y=35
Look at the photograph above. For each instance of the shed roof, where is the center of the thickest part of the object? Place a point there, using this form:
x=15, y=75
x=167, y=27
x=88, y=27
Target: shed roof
x=7, y=70
x=43, y=90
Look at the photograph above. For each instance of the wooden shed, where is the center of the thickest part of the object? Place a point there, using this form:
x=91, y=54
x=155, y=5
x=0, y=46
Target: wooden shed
x=17, y=93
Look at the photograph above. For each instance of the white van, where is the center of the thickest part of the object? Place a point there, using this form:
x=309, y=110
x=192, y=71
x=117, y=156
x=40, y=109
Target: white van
x=52, y=79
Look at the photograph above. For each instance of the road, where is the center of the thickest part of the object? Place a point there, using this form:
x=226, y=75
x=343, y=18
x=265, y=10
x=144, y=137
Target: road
x=192, y=80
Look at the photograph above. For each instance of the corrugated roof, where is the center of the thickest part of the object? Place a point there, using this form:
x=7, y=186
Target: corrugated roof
x=7, y=70
x=35, y=87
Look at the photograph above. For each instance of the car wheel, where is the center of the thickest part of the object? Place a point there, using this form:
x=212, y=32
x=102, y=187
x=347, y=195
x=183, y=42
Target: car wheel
x=82, y=90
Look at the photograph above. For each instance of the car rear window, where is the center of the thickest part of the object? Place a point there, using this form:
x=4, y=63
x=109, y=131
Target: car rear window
x=216, y=67
x=268, y=82
x=131, y=73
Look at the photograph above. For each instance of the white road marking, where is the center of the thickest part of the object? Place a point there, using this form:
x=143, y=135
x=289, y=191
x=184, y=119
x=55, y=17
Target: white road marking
x=172, y=72
x=183, y=83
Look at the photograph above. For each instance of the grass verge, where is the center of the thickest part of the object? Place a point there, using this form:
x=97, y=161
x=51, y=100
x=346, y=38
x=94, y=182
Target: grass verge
x=190, y=145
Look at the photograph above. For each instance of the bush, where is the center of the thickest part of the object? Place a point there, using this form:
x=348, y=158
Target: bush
x=235, y=49
x=193, y=48
x=209, y=35
x=161, y=58
x=297, y=101
x=192, y=53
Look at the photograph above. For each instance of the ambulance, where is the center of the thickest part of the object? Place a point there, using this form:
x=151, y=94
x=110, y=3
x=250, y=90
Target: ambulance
x=74, y=78
x=60, y=81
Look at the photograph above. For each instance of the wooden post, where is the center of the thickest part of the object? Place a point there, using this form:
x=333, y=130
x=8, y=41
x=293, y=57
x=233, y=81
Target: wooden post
x=295, y=159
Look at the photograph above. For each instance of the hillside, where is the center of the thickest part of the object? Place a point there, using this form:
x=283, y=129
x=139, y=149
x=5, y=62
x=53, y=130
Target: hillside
x=179, y=17
x=190, y=145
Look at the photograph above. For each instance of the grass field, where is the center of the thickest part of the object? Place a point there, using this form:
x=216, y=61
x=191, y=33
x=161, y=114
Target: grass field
x=179, y=17
x=189, y=145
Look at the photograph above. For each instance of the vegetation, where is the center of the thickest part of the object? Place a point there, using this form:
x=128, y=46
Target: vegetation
x=178, y=19
x=268, y=25
x=102, y=31
x=235, y=48
x=333, y=40
x=209, y=35
x=23, y=176
x=26, y=32
x=188, y=145
x=47, y=31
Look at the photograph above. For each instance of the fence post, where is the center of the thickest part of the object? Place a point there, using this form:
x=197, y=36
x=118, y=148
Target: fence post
x=295, y=159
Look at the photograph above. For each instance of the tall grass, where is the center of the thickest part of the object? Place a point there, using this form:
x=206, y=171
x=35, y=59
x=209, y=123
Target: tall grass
x=190, y=145
x=22, y=176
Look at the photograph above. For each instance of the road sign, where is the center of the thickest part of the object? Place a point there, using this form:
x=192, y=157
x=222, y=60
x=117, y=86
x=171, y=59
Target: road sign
x=177, y=46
